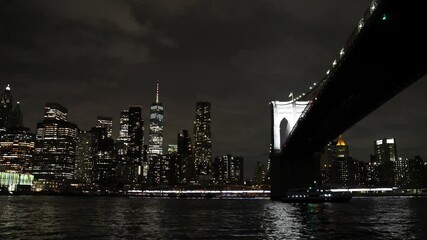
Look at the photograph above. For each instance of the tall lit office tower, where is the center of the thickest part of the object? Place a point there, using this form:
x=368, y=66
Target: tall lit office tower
x=107, y=123
x=202, y=138
x=385, y=150
x=155, y=142
x=123, y=139
x=5, y=108
x=384, y=161
x=55, y=148
x=155, y=145
x=340, y=165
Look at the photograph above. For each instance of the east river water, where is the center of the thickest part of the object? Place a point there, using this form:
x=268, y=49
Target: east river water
x=57, y=217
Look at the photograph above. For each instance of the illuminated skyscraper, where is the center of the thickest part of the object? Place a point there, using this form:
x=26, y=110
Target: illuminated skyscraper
x=385, y=150
x=123, y=139
x=155, y=145
x=155, y=142
x=55, y=147
x=340, y=165
x=383, y=165
x=5, y=108
x=202, y=139
x=107, y=123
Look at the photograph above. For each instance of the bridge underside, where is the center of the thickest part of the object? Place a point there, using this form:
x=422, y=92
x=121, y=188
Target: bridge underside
x=388, y=55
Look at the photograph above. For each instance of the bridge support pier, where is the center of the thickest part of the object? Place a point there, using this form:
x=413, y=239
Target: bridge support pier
x=293, y=171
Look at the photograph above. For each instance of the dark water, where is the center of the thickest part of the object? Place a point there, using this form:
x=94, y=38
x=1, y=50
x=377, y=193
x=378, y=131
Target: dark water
x=53, y=217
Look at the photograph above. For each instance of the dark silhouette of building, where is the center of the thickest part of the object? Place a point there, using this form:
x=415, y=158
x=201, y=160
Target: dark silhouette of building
x=84, y=157
x=260, y=174
x=16, y=118
x=5, y=108
x=136, y=142
x=104, y=159
x=185, y=170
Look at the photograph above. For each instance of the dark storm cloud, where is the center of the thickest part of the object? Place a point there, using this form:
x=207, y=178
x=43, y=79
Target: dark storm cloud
x=97, y=57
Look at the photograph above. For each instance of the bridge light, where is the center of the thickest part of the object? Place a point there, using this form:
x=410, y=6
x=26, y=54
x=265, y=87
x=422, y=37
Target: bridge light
x=373, y=6
x=314, y=84
x=334, y=63
x=311, y=88
x=342, y=52
x=327, y=72
x=384, y=17
x=360, y=24
x=303, y=94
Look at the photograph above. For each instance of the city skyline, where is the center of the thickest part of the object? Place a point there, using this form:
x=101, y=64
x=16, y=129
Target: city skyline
x=238, y=75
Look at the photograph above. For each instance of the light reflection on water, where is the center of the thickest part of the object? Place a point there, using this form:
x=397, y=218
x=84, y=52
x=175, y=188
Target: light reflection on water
x=48, y=217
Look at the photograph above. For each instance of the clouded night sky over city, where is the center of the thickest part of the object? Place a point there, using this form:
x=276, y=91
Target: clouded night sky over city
x=98, y=57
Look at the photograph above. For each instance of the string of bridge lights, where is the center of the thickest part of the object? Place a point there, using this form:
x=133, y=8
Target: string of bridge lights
x=342, y=51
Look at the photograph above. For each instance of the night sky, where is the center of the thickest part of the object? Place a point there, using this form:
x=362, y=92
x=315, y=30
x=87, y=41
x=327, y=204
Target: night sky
x=98, y=57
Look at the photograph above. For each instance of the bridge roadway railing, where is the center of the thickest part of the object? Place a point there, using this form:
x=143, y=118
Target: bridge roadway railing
x=348, y=47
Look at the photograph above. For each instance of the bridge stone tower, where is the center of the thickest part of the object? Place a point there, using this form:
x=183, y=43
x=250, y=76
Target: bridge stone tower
x=290, y=111
x=287, y=170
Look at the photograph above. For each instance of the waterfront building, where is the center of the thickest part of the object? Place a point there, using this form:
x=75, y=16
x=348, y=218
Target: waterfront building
x=11, y=182
x=401, y=172
x=228, y=169
x=84, y=157
x=202, y=139
x=107, y=123
x=16, y=150
x=55, y=148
